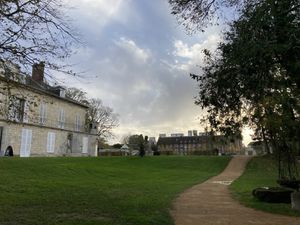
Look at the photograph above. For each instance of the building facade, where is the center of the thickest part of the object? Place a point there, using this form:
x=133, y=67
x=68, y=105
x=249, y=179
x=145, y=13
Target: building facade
x=37, y=119
x=198, y=145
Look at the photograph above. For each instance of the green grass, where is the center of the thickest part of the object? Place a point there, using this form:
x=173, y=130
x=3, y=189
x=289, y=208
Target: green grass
x=128, y=190
x=260, y=172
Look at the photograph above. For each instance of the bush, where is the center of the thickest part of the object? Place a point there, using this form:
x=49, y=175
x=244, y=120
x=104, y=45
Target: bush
x=273, y=194
x=167, y=152
x=156, y=153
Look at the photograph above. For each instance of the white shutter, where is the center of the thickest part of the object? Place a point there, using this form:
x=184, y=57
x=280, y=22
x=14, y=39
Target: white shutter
x=58, y=120
x=62, y=118
x=48, y=142
x=52, y=139
x=85, y=142
x=45, y=112
x=51, y=142
x=60, y=123
x=77, y=122
x=26, y=112
x=29, y=138
x=41, y=112
x=25, y=143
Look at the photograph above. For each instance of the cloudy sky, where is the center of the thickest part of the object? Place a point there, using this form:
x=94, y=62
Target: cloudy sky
x=137, y=59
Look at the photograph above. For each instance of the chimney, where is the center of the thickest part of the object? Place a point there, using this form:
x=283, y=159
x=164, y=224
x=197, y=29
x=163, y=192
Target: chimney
x=195, y=132
x=38, y=72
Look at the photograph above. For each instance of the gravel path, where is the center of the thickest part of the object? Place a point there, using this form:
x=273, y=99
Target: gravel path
x=210, y=203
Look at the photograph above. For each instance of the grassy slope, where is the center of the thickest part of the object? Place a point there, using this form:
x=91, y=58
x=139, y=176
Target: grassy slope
x=260, y=172
x=97, y=190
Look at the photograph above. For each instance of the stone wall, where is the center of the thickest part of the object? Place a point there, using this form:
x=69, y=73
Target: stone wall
x=12, y=136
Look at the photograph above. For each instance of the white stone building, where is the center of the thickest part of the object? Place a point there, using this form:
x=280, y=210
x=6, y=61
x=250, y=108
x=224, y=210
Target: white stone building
x=37, y=119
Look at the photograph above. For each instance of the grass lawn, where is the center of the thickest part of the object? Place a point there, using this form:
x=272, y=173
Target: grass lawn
x=112, y=190
x=260, y=172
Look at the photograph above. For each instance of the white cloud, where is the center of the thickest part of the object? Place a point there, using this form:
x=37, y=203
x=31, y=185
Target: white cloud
x=94, y=15
x=101, y=8
x=128, y=68
x=191, y=56
x=184, y=51
x=140, y=54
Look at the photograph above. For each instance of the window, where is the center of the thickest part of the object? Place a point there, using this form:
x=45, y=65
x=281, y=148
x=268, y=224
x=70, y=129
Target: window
x=51, y=142
x=77, y=123
x=61, y=119
x=43, y=113
x=16, y=109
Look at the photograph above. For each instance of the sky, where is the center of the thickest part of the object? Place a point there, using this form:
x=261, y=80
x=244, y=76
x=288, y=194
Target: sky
x=137, y=59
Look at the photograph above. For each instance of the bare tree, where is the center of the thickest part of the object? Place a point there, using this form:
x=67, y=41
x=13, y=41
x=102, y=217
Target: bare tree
x=77, y=94
x=33, y=31
x=104, y=116
x=198, y=14
x=125, y=139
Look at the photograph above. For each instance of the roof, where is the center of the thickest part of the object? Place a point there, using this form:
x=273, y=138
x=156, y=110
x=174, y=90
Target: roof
x=124, y=147
x=43, y=88
x=51, y=90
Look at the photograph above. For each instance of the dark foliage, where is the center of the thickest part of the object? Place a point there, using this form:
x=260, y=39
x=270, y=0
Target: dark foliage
x=254, y=76
x=198, y=14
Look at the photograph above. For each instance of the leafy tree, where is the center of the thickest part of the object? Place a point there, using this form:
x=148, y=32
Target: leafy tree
x=117, y=146
x=135, y=140
x=125, y=139
x=154, y=149
x=144, y=145
x=138, y=142
x=253, y=78
x=34, y=31
x=102, y=143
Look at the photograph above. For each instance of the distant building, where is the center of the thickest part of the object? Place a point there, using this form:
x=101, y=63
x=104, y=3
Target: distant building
x=152, y=140
x=257, y=148
x=198, y=145
x=195, y=132
x=162, y=135
x=192, y=133
x=177, y=135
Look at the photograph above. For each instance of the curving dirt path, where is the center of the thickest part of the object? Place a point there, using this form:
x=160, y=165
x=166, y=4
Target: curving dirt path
x=210, y=203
